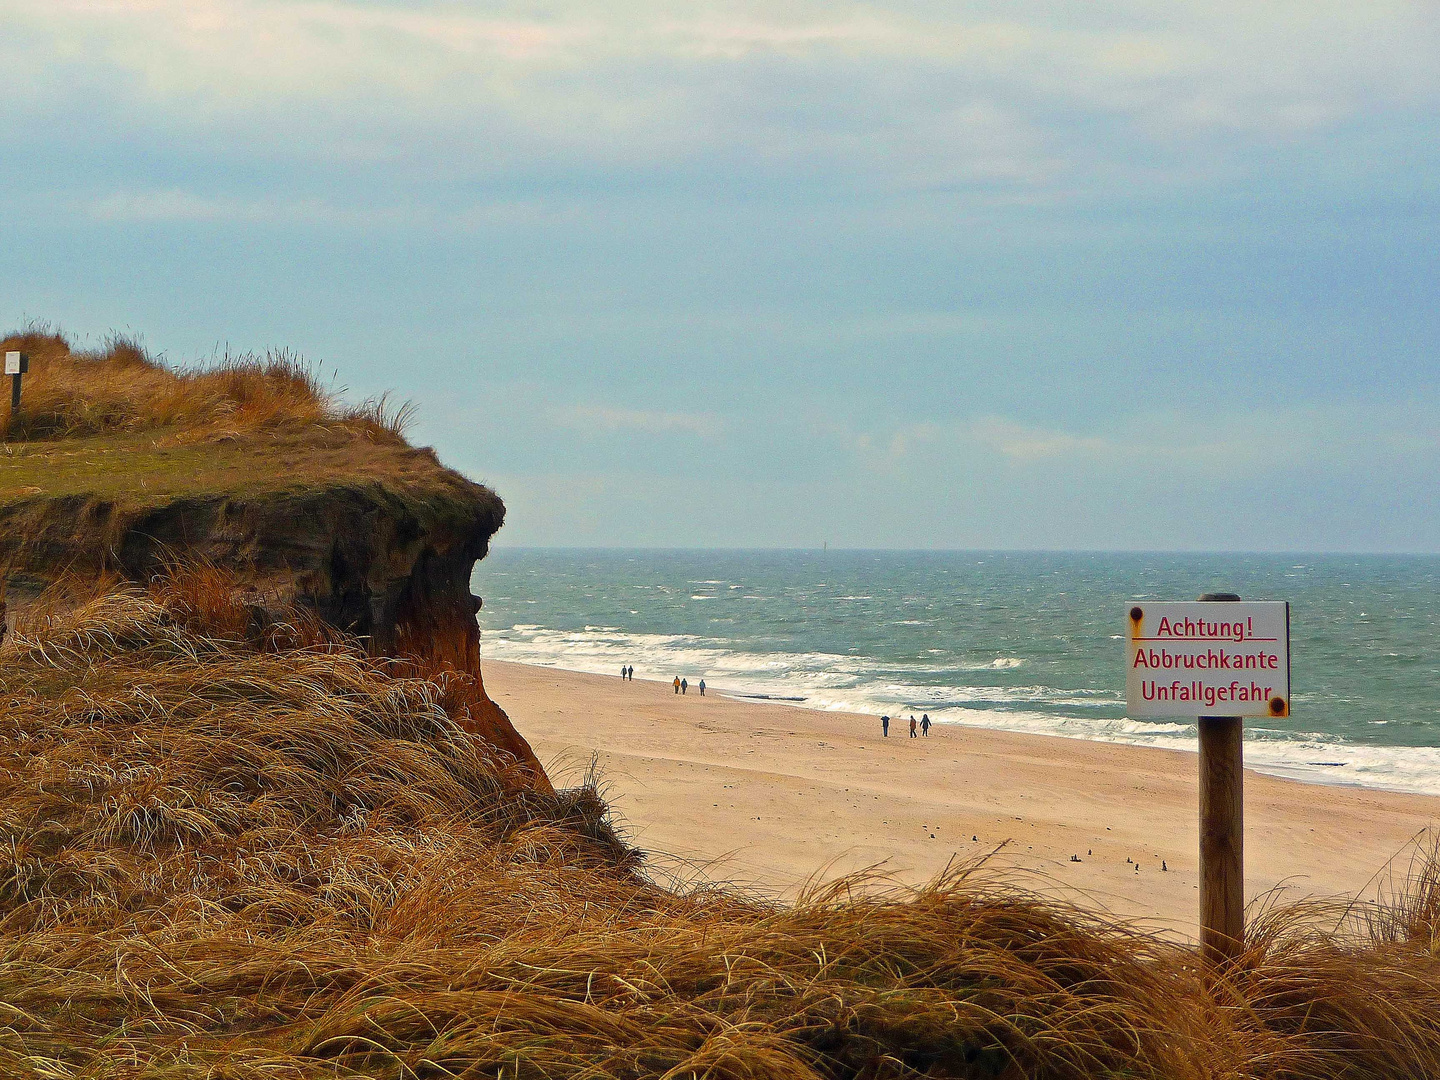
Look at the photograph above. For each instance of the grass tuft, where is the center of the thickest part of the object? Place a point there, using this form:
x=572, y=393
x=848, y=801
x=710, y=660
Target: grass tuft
x=121, y=389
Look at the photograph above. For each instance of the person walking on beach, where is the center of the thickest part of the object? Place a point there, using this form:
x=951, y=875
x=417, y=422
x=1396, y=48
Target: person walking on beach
x=925, y=725
x=702, y=687
x=684, y=685
x=630, y=673
x=885, y=726
x=912, y=725
x=677, y=684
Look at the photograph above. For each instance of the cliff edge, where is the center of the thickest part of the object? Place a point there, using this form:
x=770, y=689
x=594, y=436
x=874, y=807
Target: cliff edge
x=116, y=465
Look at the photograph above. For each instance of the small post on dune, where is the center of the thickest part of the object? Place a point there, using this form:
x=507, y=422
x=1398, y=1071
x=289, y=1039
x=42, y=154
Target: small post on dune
x=1222, y=831
x=16, y=365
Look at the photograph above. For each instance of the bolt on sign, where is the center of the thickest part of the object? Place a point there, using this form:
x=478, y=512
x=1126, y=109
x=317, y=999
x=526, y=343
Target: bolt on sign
x=1200, y=658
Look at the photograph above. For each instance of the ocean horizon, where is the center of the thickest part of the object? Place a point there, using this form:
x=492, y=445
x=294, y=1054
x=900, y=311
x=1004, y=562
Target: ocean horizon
x=1027, y=641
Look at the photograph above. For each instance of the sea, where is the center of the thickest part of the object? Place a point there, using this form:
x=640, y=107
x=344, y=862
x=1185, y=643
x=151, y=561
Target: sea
x=1015, y=641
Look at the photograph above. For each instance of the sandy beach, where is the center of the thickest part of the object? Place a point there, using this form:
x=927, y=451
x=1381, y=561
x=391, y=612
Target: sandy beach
x=772, y=796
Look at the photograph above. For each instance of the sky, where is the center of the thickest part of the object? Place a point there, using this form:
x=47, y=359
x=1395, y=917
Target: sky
x=1101, y=275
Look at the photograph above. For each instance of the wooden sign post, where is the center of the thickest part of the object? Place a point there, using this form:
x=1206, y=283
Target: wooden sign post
x=16, y=365
x=1195, y=660
x=1222, y=829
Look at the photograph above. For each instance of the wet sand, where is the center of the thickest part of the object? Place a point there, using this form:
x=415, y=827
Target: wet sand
x=772, y=797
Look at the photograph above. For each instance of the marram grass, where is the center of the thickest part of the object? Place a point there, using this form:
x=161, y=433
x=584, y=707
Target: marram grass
x=121, y=389
x=231, y=852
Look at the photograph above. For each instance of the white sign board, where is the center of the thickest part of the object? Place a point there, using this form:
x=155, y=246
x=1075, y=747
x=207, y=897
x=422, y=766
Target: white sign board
x=1208, y=659
x=12, y=363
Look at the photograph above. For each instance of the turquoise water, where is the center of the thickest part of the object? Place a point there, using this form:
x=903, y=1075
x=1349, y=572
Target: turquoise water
x=1019, y=641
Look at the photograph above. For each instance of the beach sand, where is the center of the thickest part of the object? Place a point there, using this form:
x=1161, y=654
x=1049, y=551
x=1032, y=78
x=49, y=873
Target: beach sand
x=771, y=796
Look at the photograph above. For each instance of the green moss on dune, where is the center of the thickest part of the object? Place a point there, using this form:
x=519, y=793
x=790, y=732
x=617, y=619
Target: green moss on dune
x=144, y=469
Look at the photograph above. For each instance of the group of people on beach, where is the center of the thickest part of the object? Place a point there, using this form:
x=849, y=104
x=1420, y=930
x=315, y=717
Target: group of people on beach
x=682, y=684
x=916, y=730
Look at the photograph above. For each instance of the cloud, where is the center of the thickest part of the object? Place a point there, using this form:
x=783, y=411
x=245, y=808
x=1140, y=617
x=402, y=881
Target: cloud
x=1264, y=442
x=184, y=206
x=176, y=205
x=1253, y=480
x=601, y=419
x=914, y=96
x=1022, y=443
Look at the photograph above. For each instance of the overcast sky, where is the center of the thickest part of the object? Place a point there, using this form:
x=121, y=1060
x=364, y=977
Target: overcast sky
x=925, y=274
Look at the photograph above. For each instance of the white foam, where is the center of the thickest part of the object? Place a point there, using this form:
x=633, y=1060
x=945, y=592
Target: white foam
x=858, y=684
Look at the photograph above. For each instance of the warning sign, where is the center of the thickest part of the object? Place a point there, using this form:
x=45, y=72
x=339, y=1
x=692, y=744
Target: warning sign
x=1208, y=659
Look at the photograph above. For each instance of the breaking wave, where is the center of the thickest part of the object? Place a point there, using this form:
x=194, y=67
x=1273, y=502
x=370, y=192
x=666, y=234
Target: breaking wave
x=834, y=682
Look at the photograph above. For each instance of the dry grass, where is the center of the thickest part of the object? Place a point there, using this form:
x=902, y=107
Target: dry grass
x=235, y=847
x=120, y=389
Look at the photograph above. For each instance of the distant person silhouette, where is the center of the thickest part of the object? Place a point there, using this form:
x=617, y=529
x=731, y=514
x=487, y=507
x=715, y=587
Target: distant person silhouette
x=684, y=685
x=623, y=671
x=702, y=687
x=885, y=726
x=925, y=725
x=912, y=727
x=677, y=684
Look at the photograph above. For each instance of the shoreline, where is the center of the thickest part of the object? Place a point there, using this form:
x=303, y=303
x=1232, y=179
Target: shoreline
x=1189, y=746
x=773, y=795
x=1303, y=772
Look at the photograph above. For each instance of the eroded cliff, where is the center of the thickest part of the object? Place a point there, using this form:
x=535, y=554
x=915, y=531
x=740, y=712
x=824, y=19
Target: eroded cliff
x=118, y=466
